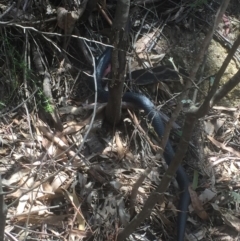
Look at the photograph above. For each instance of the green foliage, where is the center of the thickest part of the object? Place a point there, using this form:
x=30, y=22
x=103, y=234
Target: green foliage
x=48, y=107
x=195, y=180
x=15, y=69
x=45, y=102
x=16, y=62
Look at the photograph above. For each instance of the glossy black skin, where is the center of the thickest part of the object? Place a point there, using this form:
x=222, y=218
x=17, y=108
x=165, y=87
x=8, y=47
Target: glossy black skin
x=142, y=102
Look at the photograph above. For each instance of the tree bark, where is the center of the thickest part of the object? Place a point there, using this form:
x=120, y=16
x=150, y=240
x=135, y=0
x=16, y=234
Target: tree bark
x=119, y=41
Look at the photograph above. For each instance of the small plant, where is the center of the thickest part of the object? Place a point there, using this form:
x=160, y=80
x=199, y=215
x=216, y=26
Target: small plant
x=48, y=107
x=15, y=71
x=45, y=102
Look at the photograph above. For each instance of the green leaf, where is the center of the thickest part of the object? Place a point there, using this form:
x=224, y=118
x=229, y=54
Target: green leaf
x=195, y=180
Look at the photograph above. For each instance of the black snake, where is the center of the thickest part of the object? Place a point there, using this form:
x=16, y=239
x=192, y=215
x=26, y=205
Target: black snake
x=142, y=102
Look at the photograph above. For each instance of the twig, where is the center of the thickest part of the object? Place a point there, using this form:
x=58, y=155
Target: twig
x=86, y=168
x=232, y=82
x=223, y=146
x=8, y=10
x=26, y=62
x=82, y=46
x=104, y=14
x=137, y=124
x=194, y=98
x=228, y=44
x=29, y=121
x=2, y=115
x=3, y=212
x=95, y=100
x=135, y=188
x=48, y=93
x=53, y=34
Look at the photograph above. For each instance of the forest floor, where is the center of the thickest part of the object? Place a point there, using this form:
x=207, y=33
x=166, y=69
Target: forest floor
x=65, y=178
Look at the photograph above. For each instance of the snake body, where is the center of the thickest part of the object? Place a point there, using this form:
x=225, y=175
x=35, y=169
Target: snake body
x=142, y=102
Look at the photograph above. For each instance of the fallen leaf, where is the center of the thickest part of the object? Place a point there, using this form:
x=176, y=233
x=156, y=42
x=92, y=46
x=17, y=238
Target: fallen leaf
x=223, y=146
x=75, y=202
x=16, y=177
x=197, y=204
x=228, y=218
x=120, y=148
x=58, y=180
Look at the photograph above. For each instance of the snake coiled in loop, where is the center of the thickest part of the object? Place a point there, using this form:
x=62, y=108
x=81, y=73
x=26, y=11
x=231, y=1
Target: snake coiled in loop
x=142, y=102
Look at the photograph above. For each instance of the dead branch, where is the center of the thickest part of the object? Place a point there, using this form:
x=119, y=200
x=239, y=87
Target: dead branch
x=38, y=61
x=113, y=109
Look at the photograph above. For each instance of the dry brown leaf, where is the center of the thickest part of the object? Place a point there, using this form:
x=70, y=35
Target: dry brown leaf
x=229, y=219
x=71, y=110
x=120, y=148
x=47, y=187
x=157, y=57
x=227, y=169
x=22, y=203
x=197, y=204
x=75, y=202
x=130, y=156
x=233, y=168
x=30, y=182
x=4, y=150
x=73, y=128
x=137, y=123
x=224, y=108
x=222, y=146
x=59, y=153
x=55, y=150
x=108, y=151
x=142, y=43
x=10, y=137
x=38, y=192
x=208, y=127
x=75, y=234
x=58, y=180
x=48, y=146
x=66, y=20
x=16, y=177
x=200, y=235
x=33, y=218
x=124, y=217
x=218, y=124
x=77, y=160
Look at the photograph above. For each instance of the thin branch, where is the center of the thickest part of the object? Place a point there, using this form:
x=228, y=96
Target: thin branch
x=8, y=10
x=34, y=92
x=3, y=212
